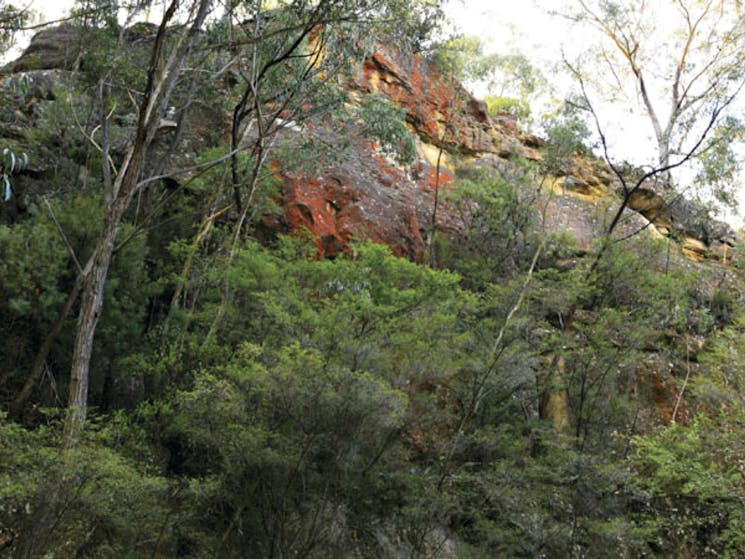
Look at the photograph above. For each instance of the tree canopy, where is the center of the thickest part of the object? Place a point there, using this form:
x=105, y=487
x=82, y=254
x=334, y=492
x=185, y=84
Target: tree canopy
x=679, y=63
x=185, y=375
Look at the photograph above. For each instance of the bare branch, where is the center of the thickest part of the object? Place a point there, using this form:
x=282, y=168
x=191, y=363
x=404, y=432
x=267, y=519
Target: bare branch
x=63, y=236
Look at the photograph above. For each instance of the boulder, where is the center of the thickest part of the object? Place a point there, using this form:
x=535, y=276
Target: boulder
x=51, y=48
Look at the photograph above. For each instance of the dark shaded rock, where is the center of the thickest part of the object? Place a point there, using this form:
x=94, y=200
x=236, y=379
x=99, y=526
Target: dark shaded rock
x=531, y=141
x=51, y=48
x=478, y=110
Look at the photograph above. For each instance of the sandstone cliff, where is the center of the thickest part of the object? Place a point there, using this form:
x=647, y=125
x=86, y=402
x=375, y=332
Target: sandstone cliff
x=366, y=195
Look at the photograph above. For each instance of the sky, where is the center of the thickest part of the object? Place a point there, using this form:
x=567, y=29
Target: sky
x=507, y=26
x=527, y=27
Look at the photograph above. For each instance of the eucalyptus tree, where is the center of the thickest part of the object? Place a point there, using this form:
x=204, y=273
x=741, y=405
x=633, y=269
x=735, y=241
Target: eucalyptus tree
x=681, y=62
x=164, y=68
x=286, y=56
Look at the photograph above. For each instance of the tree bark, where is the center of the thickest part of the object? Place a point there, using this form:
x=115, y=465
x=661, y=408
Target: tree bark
x=90, y=310
x=16, y=408
x=161, y=80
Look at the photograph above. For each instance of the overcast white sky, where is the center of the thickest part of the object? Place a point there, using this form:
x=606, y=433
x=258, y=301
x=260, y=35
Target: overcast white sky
x=506, y=25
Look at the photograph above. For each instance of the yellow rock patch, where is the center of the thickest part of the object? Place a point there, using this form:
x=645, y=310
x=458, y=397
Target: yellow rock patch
x=431, y=153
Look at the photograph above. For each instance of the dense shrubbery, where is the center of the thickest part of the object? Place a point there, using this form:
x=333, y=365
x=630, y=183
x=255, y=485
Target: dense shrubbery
x=516, y=398
x=361, y=407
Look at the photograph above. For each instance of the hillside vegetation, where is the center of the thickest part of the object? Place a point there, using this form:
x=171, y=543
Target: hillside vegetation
x=271, y=289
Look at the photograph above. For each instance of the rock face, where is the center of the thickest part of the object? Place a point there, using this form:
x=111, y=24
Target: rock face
x=674, y=214
x=52, y=48
x=440, y=111
x=64, y=48
x=364, y=195
x=367, y=196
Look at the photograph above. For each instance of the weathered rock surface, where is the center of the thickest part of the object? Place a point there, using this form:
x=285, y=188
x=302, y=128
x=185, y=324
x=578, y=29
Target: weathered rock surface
x=52, y=48
x=673, y=213
x=364, y=195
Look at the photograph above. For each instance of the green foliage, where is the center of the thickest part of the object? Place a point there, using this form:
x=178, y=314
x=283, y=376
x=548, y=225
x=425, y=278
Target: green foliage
x=96, y=13
x=526, y=80
x=692, y=94
x=365, y=406
x=519, y=108
x=34, y=273
x=356, y=406
x=290, y=443
x=12, y=97
x=558, y=504
x=625, y=281
x=457, y=56
x=509, y=75
x=37, y=272
x=58, y=130
x=720, y=164
x=722, y=386
x=498, y=218
x=693, y=475
x=33, y=259
x=103, y=503
x=566, y=135
x=408, y=24
x=291, y=437
x=385, y=123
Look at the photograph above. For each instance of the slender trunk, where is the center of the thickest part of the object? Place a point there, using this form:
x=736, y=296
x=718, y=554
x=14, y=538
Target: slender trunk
x=580, y=411
x=262, y=153
x=16, y=408
x=433, y=226
x=663, y=149
x=160, y=84
x=90, y=311
x=554, y=404
x=204, y=230
x=234, y=172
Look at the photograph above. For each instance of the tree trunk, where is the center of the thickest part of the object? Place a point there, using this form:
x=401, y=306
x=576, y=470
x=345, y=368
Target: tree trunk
x=663, y=149
x=554, y=403
x=160, y=84
x=90, y=311
x=16, y=408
